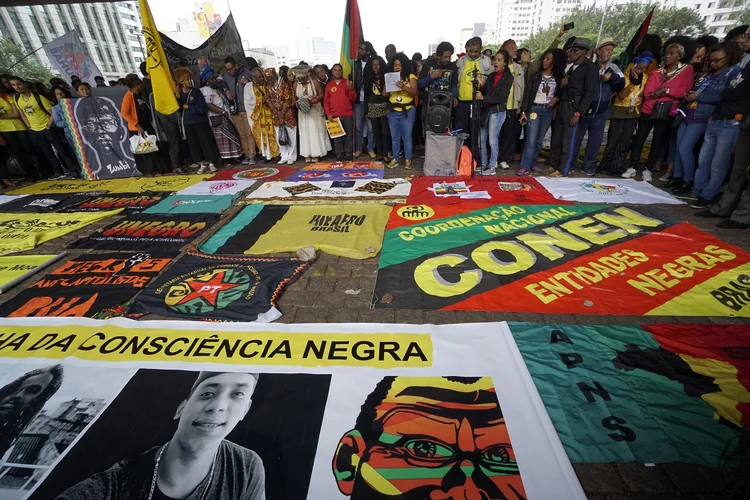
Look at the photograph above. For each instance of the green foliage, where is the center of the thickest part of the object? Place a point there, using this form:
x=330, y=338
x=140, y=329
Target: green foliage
x=28, y=69
x=621, y=22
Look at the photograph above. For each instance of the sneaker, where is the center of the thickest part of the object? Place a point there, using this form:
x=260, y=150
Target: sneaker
x=373, y=155
x=665, y=178
x=408, y=165
x=316, y=160
x=307, y=160
x=590, y=173
x=549, y=171
x=629, y=173
x=212, y=168
x=537, y=168
x=393, y=163
x=246, y=161
x=686, y=188
x=708, y=214
x=647, y=177
x=194, y=166
x=250, y=161
x=700, y=203
x=180, y=170
x=732, y=224
x=290, y=162
x=489, y=170
x=57, y=177
x=504, y=165
x=203, y=169
x=357, y=153
x=523, y=171
x=556, y=174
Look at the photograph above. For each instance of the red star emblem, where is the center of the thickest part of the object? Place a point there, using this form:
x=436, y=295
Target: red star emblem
x=207, y=290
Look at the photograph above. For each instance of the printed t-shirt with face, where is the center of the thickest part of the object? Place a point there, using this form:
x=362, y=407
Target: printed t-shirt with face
x=401, y=98
x=445, y=81
x=546, y=90
x=36, y=116
x=6, y=108
x=465, y=87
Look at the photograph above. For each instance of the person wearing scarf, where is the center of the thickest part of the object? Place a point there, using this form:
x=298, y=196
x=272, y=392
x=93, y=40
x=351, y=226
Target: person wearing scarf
x=260, y=110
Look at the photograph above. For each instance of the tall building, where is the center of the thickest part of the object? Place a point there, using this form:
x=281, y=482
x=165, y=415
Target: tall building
x=265, y=57
x=110, y=31
x=316, y=50
x=281, y=52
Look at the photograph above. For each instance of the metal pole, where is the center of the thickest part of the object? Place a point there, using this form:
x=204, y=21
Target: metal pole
x=601, y=25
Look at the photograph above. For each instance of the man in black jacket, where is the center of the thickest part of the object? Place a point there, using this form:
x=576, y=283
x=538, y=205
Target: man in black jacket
x=362, y=127
x=575, y=99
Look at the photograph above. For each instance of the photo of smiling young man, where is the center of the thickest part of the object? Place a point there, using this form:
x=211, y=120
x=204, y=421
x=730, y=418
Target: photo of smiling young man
x=197, y=463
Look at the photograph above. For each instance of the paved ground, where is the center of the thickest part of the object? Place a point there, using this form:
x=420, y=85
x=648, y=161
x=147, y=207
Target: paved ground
x=320, y=296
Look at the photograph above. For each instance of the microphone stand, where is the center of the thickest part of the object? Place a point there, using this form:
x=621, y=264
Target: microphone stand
x=475, y=126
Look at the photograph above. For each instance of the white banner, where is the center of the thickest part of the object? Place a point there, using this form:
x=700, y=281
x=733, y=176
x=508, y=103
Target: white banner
x=284, y=412
x=217, y=187
x=365, y=191
x=611, y=190
x=70, y=57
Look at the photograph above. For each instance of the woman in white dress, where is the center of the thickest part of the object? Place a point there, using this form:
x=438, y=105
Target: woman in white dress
x=313, y=134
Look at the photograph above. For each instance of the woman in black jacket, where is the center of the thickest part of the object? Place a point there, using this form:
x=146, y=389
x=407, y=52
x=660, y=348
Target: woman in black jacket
x=494, y=95
x=538, y=106
x=376, y=105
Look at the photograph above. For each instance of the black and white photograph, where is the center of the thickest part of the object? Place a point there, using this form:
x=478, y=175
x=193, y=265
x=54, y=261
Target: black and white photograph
x=44, y=408
x=198, y=435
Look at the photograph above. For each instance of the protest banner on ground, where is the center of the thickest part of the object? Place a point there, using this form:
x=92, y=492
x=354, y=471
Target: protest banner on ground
x=608, y=191
x=129, y=202
x=16, y=268
x=74, y=186
x=207, y=287
x=4, y=198
x=298, y=193
x=165, y=183
x=571, y=259
x=217, y=187
x=369, y=430
x=349, y=231
x=87, y=285
x=275, y=173
x=149, y=233
x=344, y=165
x=20, y=232
x=652, y=394
x=45, y=203
x=187, y=204
x=337, y=174
x=498, y=190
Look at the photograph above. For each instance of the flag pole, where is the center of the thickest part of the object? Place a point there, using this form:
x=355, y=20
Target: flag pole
x=601, y=25
x=23, y=59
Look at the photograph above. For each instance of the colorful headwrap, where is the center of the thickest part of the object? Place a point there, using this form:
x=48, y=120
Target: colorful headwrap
x=645, y=57
x=206, y=72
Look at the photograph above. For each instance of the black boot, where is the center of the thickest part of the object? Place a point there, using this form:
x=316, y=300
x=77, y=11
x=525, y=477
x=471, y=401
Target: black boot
x=672, y=182
x=683, y=189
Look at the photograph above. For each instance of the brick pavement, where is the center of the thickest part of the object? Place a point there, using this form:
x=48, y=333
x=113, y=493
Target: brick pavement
x=340, y=290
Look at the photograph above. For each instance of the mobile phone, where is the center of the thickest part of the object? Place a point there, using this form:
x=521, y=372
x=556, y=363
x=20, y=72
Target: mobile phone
x=569, y=26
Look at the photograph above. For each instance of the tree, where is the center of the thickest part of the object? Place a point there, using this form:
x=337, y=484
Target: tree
x=621, y=22
x=29, y=69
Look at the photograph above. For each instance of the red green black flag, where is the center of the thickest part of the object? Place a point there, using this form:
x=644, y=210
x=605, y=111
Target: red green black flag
x=351, y=36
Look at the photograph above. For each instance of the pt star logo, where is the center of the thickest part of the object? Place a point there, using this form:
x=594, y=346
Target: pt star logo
x=207, y=290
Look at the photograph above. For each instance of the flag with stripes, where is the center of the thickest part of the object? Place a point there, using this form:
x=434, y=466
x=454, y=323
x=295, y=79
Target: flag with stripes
x=627, y=54
x=351, y=36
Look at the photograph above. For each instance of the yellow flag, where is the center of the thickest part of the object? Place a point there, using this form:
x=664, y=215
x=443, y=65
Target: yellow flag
x=157, y=64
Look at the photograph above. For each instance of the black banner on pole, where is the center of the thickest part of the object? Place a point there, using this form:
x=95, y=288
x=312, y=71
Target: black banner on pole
x=225, y=42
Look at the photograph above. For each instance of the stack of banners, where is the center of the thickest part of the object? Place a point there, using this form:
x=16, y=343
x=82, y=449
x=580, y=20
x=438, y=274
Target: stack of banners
x=217, y=188
x=559, y=259
x=339, y=171
x=17, y=268
x=314, y=412
x=372, y=191
x=608, y=191
x=354, y=231
x=87, y=285
x=46, y=203
x=653, y=394
x=275, y=173
x=129, y=202
x=488, y=190
x=205, y=287
x=99, y=135
x=5, y=198
x=187, y=204
x=21, y=232
x=73, y=187
x=146, y=232
x=163, y=184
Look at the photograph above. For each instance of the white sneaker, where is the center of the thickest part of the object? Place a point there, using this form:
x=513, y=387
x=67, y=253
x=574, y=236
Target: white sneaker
x=504, y=165
x=629, y=173
x=281, y=161
x=647, y=176
x=290, y=162
x=665, y=177
x=203, y=169
x=212, y=168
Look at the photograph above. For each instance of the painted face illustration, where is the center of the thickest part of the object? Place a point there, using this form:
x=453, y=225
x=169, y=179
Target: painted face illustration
x=429, y=438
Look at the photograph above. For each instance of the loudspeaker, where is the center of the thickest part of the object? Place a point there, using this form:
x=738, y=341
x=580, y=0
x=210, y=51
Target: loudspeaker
x=439, y=110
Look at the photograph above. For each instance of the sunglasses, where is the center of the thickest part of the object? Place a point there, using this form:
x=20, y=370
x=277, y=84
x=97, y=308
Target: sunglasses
x=716, y=61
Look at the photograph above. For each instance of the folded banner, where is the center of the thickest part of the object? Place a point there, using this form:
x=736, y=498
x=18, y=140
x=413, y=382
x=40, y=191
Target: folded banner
x=217, y=187
x=45, y=203
x=167, y=183
x=87, y=285
x=4, y=198
x=653, y=394
x=310, y=411
x=349, y=231
x=205, y=287
x=20, y=232
x=511, y=190
x=16, y=268
x=149, y=232
x=608, y=191
x=374, y=191
x=130, y=202
x=572, y=259
x=180, y=204
x=74, y=186
x=276, y=173
x=337, y=175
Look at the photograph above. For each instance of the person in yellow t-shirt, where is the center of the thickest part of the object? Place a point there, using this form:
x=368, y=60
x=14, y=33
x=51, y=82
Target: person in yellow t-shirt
x=14, y=141
x=473, y=65
x=401, y=110
x=36, y=113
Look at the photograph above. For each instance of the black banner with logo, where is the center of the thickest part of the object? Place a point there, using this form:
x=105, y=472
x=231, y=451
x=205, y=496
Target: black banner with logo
x=225, y=42
x=130, y=202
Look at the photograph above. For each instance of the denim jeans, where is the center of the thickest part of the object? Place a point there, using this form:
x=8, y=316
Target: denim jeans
x=362, y=126
x=535, y=131
x=684, y=162
x=716, y=156
x=401, y=124
x=594, y=125
x=492, y=131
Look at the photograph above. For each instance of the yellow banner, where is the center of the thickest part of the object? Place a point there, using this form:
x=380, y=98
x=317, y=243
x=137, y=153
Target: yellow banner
x=157, y=64
x=114, y=343
x=74, y=186
x=169, y=183
x=12, y=268
x=20, y=232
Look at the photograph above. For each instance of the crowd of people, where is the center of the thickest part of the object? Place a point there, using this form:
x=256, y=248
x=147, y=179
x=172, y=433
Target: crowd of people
x=691, y=96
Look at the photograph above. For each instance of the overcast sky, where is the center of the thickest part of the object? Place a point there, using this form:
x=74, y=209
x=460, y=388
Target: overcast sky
x=410, y=25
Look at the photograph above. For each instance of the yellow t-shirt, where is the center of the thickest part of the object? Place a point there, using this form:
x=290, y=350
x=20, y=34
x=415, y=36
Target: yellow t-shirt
x=401, y=98
x=6, y=108
x=465, y=87
x=37, y=118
